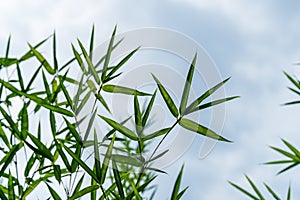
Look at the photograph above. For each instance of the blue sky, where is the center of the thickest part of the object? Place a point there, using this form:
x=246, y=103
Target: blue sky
x=252, y=41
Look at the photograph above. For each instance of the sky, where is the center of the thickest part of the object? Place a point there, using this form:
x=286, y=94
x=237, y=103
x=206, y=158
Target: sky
x=251, y=41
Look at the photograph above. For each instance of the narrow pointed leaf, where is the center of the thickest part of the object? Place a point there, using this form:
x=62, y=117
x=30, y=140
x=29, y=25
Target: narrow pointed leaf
x=92, y=43
x=193, y=126
x=43, y=150
x=137, y=116
x=97, y=157
x=54, y=195
x=182, y=192
x=244, y=191
x=254, y=188
x=272, y=192
x=170, y=103
x=107, y=159
x=89, y=62
x=156, y=134
x=84, y=191
x=129, y=160
x=177, y=185
x=206, y=94
x=81, y=163
x=78, y=185
x=122, y=90
x=7, y=159
x=108, y=54
x=42, y=60
x=119, y=127
x=148, y=109
x=210, y=104
x=118, y=180
x=187, y=86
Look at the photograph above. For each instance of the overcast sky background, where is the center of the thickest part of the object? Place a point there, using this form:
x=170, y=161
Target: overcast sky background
x=252, y=41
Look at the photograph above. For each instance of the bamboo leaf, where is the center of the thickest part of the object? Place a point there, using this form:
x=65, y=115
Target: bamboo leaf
x=20, y=78
x=292, y=148
x=107, y=159
x=84, y=191
x=119, y=127
x=78, y=185
x=118, y=180
x=177, y=185
x=54, y=52
x=244, y=191
x=108, y=54
x=210, y=104
x=206, y=94
x=122, y=90
x=254, y=188
x=148, y=109
x=137, y=116
x=272, y=192
x=135, y=191
x=79, y=60
x=170, y=103
x=156, y=134
x=187, y=86
x=7, y=159
x=89, y=62
x=29, y=164
x=97, y=157
x=121, y=63
x=92, y=43
x=289, y=193
x=81, y=163
x=3, y=136
x=129, y=160
x=193, y=126
x=43, y=150
x=54, y=195
x=42, y=60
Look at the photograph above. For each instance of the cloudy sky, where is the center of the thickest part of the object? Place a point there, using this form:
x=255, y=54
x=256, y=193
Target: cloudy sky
x=251, y=41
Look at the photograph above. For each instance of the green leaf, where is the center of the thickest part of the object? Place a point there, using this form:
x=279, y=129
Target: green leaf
x=54, y=52
x=210, y=104
x=79, y=60
x=148, y=109
x=10, y=122
x=84, y=191
x=122, y=90
x=78, y=185
x=89, y=62
x=285, y=153
x=118, y=180
x=3, y=136
x=36, y=99
x=129, y=160
x=43, y=150
x=182, y=192
x=81, y=163
x=122, y=62
x=289, y=193
x=42, y=60
x=108, y=54
x=119, y=127
x=6, y=62
x=29, y=54
x=255, y=188
x=272, y=192
x=62, y=155
x=92, y=43
x=90, y=124
x=177, y=185
x=52, y=123
x=29, y=164
x=107, y=159
x=57, y=172
x=7, y=159
x=54, y=195
x=11, y=191
x=137, y=116
x=188, y=83
x=136, y=193
x=33, y=78
x=193, y=126
x=206, y=94
x=295, y=82
x=20, y=78
x=170, y=103
x=156, y=134
x=97, y=157
x=244, y=191
x=24, y=121
x=292, y=148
